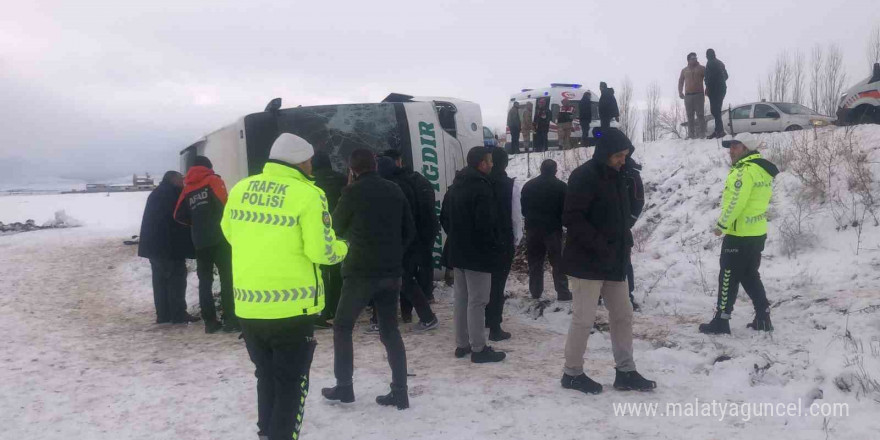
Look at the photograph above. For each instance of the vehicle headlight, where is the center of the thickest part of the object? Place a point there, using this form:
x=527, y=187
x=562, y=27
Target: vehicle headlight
x=818, y=122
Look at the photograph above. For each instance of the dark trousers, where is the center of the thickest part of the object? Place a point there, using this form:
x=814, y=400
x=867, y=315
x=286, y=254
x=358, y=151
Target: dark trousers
x=540, y=141
x=169, y=289
x=585, y=132
x=281, y=350
x=716, y=101
x=332, y=277
x=495, y=307
x=356, y=294
x=221, y=256
x=740, y=261
x=540, y=243
x=605, y=122
x=425, y=259
x=412, y=295
x=514, y=140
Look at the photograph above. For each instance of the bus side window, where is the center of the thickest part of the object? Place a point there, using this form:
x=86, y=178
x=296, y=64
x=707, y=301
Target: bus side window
x=446, y=115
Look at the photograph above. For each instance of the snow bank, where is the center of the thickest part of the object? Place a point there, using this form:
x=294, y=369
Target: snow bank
x=113, y=211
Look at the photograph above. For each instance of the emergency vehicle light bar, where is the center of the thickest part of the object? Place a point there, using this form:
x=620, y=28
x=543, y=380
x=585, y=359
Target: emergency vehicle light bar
x=572, y=86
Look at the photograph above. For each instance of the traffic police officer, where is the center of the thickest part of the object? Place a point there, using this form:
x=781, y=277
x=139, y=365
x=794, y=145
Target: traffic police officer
x=280, y=231
x=743, y=223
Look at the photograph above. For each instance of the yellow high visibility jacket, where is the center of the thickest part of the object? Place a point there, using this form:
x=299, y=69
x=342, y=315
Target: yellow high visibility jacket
x=747, y=194
x=280, y=231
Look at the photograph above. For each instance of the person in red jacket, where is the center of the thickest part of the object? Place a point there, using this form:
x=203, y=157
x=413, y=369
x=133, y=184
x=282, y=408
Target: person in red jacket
x=201, y=206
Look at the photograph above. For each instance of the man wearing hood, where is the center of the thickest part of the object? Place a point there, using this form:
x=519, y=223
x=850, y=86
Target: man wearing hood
x=201, y=206
x=743, y=222
x=470, y=218
x=412, y=293
x=332, y=183
x=716, y=88
x=607, y=106
x=507, y=195
x=167, y=244
x=598, y=243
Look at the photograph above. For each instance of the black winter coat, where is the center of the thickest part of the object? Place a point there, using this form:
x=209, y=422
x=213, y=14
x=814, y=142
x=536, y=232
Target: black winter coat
x=542, y=120
x=332, y=183
x=502, y=186
x=470, y=218
x=608, y=105
x=585, y=110
x=635, y=189
x=543, y=199
x=161, y=236
x=597, y=218
x=422, y=200
x=715, y=77
x=375, y=218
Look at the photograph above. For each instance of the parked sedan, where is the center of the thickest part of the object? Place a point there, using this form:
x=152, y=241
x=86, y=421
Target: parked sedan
x=762, y=117
x=489, y=139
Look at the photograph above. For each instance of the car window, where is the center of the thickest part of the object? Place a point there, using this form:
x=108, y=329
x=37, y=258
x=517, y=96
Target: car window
x=487, y=134
x=743, y=112
x=794, y=109
x=762, y=111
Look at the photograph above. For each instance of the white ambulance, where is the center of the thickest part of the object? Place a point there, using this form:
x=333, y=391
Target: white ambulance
x=434, y=136
x=861, y=103
x=557, y=92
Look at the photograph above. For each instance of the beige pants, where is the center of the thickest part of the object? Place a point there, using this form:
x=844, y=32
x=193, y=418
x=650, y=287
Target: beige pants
x=564, y=135
x=585, y=296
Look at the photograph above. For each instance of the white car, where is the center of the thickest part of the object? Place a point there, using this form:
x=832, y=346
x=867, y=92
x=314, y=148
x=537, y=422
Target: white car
x=861, y=103
x=762, y=117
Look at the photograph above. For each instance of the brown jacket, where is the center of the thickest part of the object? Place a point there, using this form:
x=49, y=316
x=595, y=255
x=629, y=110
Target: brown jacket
x=527, y=120
x=692, y=79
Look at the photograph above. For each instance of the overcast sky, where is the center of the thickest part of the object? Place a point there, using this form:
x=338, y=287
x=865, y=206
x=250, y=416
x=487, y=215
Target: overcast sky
x=97, y=89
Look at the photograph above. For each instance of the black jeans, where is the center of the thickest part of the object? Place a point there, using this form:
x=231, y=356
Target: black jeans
x=540, y=141
x=605, y=123
x=356, y=294
x=740, y=261
x=412, y=295
x=425, y=259
x=716, y=101
x=281, y=350
x=495, y=307
x=538, y=244
x=514, y=140
x=332, y=276
x=169, y=289
x=585, y=133
x=221, y=256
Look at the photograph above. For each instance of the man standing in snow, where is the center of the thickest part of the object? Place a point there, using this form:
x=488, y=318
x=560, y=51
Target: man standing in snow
x=201, y=206
x=513, y=123
x=743, y=223
x=608, y=109
x=563, y=124
x=331, y=182
x=425, y=219
x=470, y=219
x=527, y=126
x=585, y=113
x=543, y=115
x=598, y=242
x=690, y=89
x=280, y=231
x=167, y=244
x=507, y=195
x=543, y=199
x=716, y=88
x=374, y=216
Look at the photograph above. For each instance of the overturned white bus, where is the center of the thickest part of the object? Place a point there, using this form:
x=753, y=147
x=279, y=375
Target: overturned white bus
x=434, y=136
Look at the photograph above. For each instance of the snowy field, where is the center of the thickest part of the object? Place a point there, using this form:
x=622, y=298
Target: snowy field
x=82, y=358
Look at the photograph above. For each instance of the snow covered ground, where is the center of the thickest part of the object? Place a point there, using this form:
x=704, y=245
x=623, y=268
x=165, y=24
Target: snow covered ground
x=83, y=359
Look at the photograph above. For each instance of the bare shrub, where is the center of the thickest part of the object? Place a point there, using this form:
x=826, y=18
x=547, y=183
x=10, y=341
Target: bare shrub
x=795, y=229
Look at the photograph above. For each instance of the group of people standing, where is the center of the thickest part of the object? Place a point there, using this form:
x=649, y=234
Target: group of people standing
x=283, y=242
x=691, y=89
x=523, y=121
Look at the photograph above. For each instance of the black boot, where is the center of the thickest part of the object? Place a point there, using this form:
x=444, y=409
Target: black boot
x=632, y=380
x=497, y=334
x=581, y=383
x=398, y=398
x=461, y=352
x=761, y=322
x=342, y=393
x=213, y=326
x=488, y=355
x=717, y=326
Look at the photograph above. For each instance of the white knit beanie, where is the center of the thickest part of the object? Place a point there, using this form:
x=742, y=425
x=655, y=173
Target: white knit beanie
x=292, y=149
